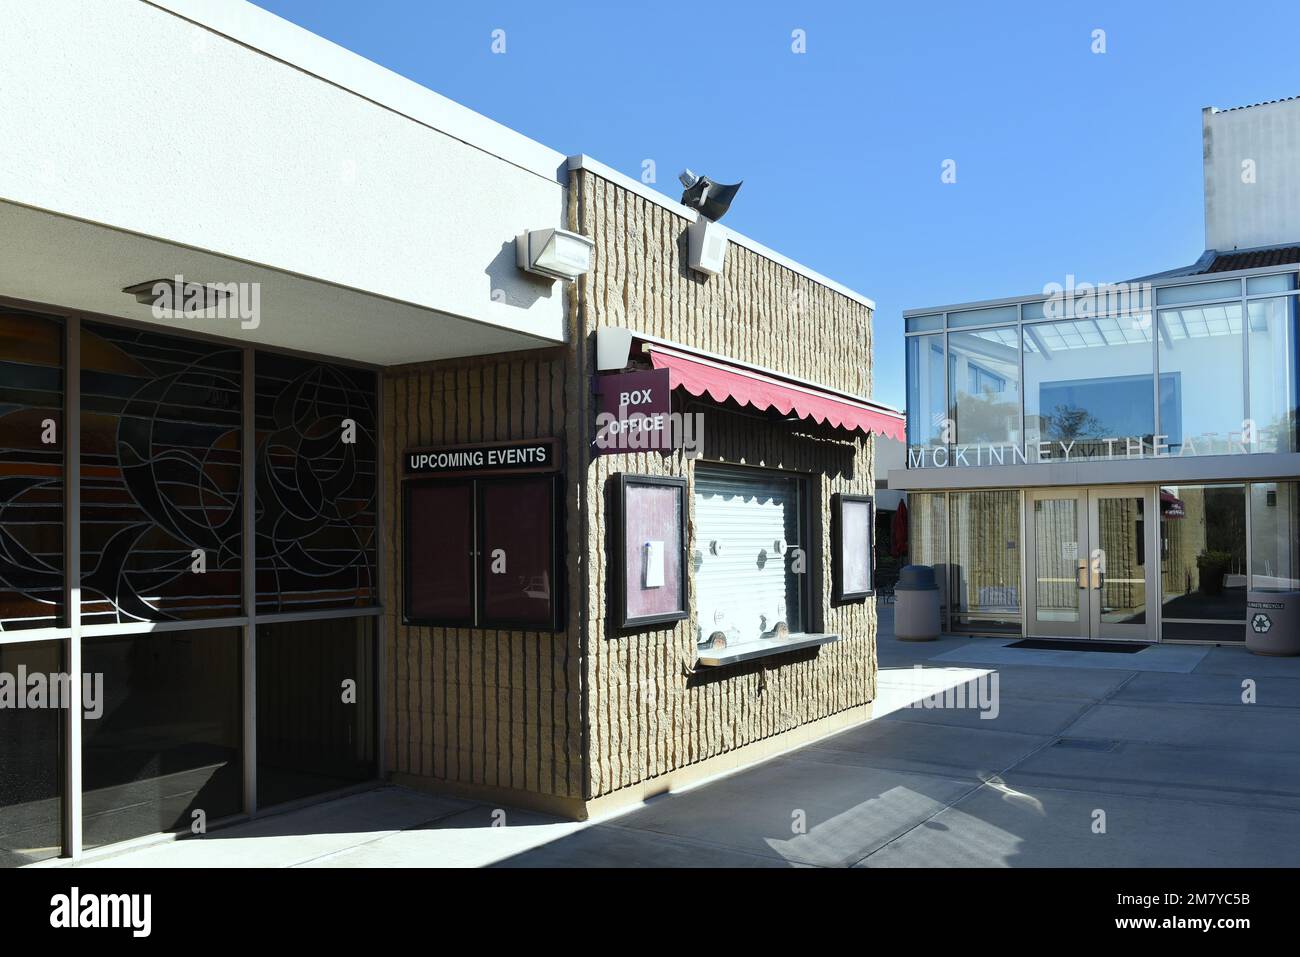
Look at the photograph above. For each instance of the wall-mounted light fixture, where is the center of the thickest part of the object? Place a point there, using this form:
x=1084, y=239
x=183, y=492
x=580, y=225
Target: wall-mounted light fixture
x=178, y=294
x=555, y=253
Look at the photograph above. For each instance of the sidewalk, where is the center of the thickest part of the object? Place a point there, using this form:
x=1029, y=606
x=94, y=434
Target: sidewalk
x=1158, y=746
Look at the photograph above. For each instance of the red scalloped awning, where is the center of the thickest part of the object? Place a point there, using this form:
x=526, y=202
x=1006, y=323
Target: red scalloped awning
x=700, y=377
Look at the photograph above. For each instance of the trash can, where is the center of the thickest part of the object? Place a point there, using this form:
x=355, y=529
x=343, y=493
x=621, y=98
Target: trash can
x=1273, y=622
x=916, y=604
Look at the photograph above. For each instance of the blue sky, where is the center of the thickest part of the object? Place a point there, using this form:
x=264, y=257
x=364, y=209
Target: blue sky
x=1067, y=161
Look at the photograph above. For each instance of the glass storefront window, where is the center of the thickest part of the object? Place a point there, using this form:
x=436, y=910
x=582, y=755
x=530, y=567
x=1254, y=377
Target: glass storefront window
x=1088, y=387
x=1275, y=535
x=31, y=759
x=168, y=742
x=1272, y=341
x=986, y=560
x=1085, y=387
x=926, y=405
x=31, y=494
x=927, y=536
x=984, y=372
x=1203, y=562
x=316, y=707
x=1201, y=370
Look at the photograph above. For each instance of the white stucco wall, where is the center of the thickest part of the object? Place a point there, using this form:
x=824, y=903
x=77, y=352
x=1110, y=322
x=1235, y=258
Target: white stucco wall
x=126, y=114
x=889, y=454
x=1243, y=215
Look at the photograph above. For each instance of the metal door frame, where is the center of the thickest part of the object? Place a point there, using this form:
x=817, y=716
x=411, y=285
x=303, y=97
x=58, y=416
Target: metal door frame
x=1117, y=631
x=1090, y=565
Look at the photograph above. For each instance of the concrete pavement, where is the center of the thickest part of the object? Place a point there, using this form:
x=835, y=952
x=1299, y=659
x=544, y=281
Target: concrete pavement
x=1149, y=761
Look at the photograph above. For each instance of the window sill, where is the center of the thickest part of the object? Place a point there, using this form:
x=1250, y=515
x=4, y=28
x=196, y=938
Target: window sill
x=761, y=648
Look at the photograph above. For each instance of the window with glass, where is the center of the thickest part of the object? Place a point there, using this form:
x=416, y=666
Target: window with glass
x=1202, y=370
x=166, y=743
x=1272, y=338
x=161, y=478
x=927, y=536
x=31, y=461
x=31, y=759
x=161, y=488
x=316, y=707
x=926, y=403
x=1275, y=536
x=316, y=468
x=1088, y=387
x=750, y=532
x=1203, y=562
x=1085, y=387
x=984, y=373
x=985, y=563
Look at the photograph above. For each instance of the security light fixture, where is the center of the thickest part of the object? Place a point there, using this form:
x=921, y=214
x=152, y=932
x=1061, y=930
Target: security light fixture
x=711, y=200
x=556, y=253
x=178, y=293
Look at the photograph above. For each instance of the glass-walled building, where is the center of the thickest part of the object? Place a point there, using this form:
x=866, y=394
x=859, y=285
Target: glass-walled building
x=1118, y=461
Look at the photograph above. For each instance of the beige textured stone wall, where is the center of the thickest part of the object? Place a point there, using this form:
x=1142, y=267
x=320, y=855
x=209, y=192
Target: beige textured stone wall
x=647, y=716
x=478, y=708
x=580, y=714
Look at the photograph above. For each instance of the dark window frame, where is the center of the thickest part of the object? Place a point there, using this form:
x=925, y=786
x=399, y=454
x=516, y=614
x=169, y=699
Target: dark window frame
x=479, y=621
x=812, y=529
x=837, y=542
x=619, y=565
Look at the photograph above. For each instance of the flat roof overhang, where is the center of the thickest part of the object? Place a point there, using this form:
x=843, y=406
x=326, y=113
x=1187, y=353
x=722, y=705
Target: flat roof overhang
x=50, y=259
x=1165, y=470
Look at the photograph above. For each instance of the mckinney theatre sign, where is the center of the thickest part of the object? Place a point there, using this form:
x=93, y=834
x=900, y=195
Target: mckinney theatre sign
x=1091, y=450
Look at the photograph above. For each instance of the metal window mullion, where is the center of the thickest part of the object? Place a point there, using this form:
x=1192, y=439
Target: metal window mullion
x=72, y=781
x=1020, y=348
x=1250, y=539
x=248, y=473
x=159, y=627
x=949, y=412
x=1245, y=365
x=379, y=663
x=1155, y=370
x=1022, y=499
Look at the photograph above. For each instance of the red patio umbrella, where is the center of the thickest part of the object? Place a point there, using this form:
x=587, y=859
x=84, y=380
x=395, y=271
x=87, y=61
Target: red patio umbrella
x=898, y=532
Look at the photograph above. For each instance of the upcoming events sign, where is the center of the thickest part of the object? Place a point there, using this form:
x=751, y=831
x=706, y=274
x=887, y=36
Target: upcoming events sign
x=492, y=458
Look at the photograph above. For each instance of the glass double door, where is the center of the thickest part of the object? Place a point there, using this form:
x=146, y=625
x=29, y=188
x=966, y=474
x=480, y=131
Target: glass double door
x=1091, y=555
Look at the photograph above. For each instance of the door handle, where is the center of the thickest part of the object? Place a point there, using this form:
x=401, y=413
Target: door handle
x=1081, y=573
x=1098, y=569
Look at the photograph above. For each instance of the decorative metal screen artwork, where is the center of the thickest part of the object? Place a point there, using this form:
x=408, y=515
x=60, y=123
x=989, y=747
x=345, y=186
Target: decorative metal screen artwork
x=160, y=477
x=31, y=472
x=316, y=474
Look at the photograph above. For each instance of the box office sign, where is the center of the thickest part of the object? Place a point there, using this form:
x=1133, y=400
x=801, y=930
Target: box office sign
x=491, y=458
x=633, y=412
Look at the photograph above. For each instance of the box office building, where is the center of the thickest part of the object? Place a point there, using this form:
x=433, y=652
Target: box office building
x=1119, y=461
x=316, y=476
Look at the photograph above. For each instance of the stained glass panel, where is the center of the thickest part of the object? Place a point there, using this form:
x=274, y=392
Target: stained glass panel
x=316, y=473
x=160, y=483
x=31, y=472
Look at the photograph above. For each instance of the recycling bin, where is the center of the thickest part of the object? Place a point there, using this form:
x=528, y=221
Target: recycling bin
x=916, y=604
x=1273, y=622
